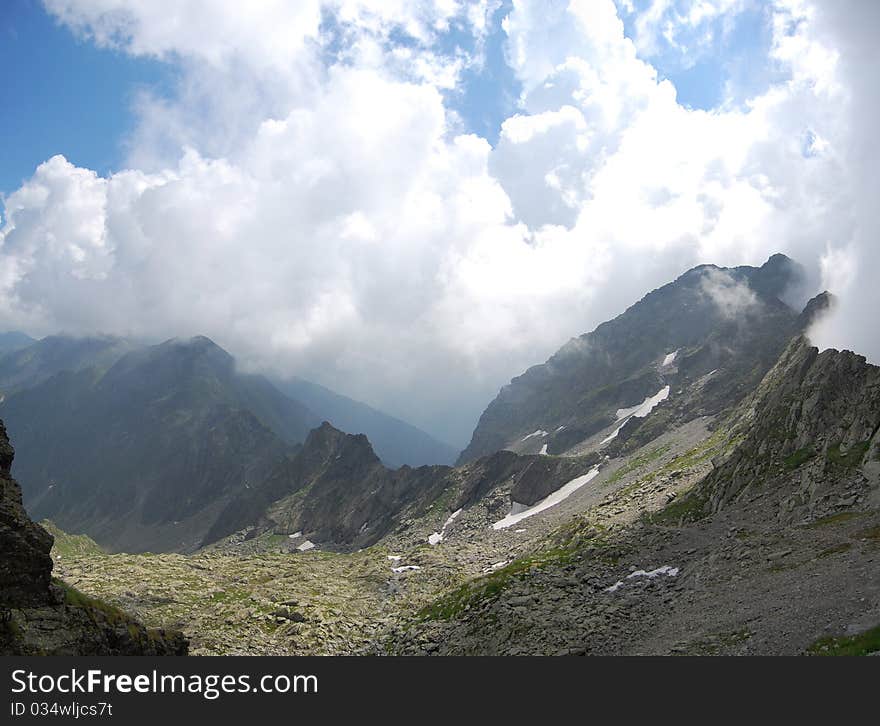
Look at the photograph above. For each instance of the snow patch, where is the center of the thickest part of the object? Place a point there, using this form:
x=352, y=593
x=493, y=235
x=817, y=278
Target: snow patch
x=640, y=411
x=539, y=432
x=667, y=570
x=496, y=566
x=295, y=535
x=543, y=450
x=517, y=513
x=394, y=558
x=437, y=537
x=670, y=357
x=405, y=568
x=306, y=546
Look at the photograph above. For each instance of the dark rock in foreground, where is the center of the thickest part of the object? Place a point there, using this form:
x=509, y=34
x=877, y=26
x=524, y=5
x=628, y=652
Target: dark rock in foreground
x=43, y=616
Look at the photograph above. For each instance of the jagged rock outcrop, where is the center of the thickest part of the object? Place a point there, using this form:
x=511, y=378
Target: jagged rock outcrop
x=39, y=615
x=338, y=493
x=25, y=563
x=710, y=335
x=811, y=426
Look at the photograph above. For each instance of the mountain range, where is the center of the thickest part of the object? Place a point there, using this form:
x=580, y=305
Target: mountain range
x=690, y=477
x=143, y=446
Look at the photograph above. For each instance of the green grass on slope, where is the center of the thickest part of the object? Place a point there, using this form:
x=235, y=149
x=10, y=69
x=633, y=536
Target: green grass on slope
x=850, y=458
x=861, y=644
x=70, y=545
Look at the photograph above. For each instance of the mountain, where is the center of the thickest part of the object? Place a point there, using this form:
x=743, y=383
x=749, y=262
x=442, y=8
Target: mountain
x=337, y=493
x=44, y=616
x=696, y=345
x=39, y=361
x=734, y=514
x=14, y=340
x=760, y=540
x=395, y=441
x=143, y=455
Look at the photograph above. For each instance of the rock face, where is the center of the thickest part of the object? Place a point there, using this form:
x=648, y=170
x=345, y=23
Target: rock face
x=338, y=493
x=727, y=325
x=811, y=426
x=25, y=567
x=42, y=616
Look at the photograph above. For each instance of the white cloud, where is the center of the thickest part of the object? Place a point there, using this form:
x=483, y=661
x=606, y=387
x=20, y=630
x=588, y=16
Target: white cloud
x=307, y=199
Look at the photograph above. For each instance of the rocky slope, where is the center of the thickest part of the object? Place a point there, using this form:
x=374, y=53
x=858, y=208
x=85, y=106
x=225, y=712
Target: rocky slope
x=711, y=334
x=773, y=548
x=811, y=427
x=335, y=492
x=639, y=560
x=39, y=615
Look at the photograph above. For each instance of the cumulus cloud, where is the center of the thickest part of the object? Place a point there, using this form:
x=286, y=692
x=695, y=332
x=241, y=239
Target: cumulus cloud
x=308, y=198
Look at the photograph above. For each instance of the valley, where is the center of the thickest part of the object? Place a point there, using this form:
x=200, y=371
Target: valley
x=706, y=488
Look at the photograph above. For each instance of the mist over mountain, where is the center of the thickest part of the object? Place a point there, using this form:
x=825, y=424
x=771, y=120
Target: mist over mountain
x=40, y=360
x=14, y=340
x=395, y=441
x=611, y=501
x=139, y=455
x=722, y=327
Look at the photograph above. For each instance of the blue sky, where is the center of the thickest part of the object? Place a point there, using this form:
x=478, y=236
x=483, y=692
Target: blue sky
x=73, y=98
x=63, y=95
x=331, y=224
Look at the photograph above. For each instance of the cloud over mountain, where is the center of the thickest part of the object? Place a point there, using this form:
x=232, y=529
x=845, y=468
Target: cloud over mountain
x=310, y=198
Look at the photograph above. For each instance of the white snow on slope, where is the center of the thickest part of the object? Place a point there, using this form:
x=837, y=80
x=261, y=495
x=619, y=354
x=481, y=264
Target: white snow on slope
x=640, y=411
x=295, y=535
x=539, y=432
x=667, y=570
x=437, y=537
x=561, y=494
x=405, y=568
x=306, y=546
x=670, y=357
x=543, y=450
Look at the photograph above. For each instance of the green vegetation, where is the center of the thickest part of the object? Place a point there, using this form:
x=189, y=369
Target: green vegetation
x=487, y=587
x=831, y=519
x=689, y=508
x=861, y=644
x=92, y=605
x=836, y=549
x=850, y=458
x=571, y=541
x=871, y=533
x=799, y=457
x=638, y=463
x=70, y=545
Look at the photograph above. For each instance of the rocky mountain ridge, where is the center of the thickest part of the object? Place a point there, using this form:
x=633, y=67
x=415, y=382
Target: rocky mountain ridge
x=722, y=327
